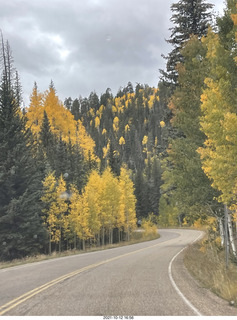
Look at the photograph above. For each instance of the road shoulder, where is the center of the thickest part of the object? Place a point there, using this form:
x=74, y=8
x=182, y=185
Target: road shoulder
x=203, y=299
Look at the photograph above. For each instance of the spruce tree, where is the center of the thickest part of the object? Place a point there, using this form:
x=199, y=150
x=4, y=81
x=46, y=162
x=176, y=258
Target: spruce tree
x=21, y=231
x=190, y=17
x=47, y=142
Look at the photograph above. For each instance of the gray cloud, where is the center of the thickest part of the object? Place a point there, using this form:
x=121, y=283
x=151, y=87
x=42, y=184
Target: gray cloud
x=87, y=45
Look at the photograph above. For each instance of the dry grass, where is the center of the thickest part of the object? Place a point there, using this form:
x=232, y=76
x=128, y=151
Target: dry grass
x=206, y=262
x=136, y=237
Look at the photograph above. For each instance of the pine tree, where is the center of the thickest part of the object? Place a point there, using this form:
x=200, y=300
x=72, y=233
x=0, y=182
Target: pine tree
x=21, y=230
x=190, y=17
x=47, y=142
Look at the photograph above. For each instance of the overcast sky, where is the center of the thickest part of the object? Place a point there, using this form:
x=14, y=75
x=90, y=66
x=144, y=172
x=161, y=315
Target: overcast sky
x=87, y=45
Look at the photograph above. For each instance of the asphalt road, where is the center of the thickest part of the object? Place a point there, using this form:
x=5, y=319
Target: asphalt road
x=142, y=279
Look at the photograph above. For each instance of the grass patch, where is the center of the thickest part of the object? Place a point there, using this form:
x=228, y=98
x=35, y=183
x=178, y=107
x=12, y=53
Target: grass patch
x=206, y=262
x=136, y=237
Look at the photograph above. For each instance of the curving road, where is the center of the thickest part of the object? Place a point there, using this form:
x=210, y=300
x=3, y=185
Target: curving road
x=140, y=279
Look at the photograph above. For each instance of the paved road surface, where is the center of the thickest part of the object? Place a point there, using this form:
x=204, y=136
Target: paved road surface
x=141, y=279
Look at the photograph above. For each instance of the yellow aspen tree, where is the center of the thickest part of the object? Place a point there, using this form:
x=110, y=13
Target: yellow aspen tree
x=61, y=120
x=219, y=121
x=92, y=194
x=121, y=141
x=97, y=123
x=116, y=124
x=35, y=110
x=127, y=128
x=49, y=197
x=151, y=101
x=79, y=216
x=110, y=202
x=127, y=202
x=60, y=208
x=144, y=143
x=73, y=213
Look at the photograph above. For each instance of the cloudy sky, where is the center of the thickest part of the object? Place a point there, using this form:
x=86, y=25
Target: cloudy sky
x=87, y=45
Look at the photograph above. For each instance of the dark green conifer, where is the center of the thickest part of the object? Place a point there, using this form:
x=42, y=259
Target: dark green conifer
x=190, y=17
x=21, y=231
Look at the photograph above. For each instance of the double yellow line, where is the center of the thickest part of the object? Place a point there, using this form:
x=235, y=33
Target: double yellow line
x=14, y=303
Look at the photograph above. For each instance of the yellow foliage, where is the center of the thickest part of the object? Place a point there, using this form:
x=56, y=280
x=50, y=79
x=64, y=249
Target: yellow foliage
x=162, y=124
x=127, y=128
x=234, y=18
x=97, y=122
x=151, y=101
x=122, y=141
x=61, y=120
x=149, y=227
x=106, y=150
x=114, y=109
x=78, y=218
x=116, y=124
x=145, y=140
x=55, y=206
x=127, y=200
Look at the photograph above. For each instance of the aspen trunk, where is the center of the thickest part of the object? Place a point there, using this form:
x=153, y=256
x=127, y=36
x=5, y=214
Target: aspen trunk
x=111, y=236
x=226, y=237
x=60, y=243
x=75, y=241
x=98, y=240
x=103, y=236
x=50, y=244
x=221, y=231
x=83, y=245
x=231, y=234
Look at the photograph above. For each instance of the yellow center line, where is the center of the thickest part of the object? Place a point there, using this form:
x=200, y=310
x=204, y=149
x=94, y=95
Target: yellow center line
x=15, y=302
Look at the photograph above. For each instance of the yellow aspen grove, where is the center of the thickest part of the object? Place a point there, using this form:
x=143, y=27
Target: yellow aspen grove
x=61, y=120
x=219, y=123
x=127, y=202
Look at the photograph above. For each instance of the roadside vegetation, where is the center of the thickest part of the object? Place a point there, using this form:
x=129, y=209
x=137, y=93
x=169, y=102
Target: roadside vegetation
x=146, y=232
x=206, y=261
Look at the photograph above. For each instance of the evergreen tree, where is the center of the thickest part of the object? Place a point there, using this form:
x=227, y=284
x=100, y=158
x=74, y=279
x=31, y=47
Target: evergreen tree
x=21, y=231
x=47, y=141
x=190, y=17
x=75, y=109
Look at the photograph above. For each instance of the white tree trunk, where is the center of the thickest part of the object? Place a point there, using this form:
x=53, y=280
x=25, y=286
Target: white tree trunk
x=221, y=231
x=231, y=235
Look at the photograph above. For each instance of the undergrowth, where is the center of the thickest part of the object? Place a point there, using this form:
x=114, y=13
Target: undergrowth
x=205, y=260
x=136, y=237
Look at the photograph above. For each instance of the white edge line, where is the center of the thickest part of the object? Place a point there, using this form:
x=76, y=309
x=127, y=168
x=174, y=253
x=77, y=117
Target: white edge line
x=174, y=284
